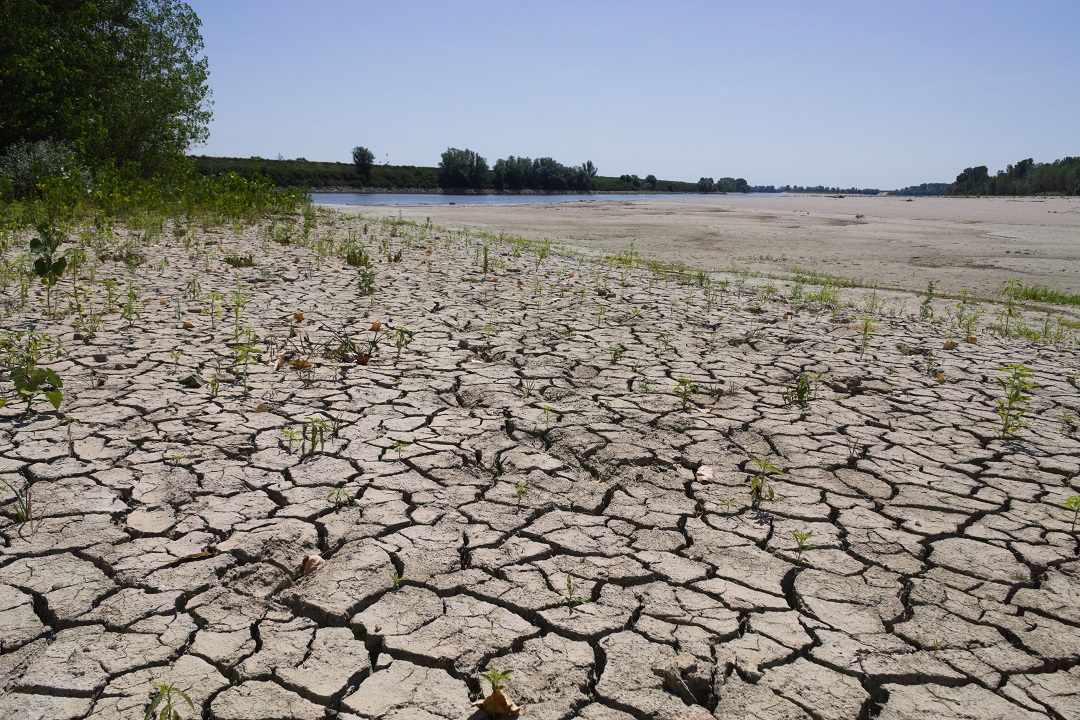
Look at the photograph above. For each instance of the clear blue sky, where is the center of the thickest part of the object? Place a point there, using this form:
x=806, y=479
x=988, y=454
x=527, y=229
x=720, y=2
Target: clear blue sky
x=866, y=93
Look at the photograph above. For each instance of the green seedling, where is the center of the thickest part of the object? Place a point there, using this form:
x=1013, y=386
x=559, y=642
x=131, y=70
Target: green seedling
x=1073, y=504
x=728, y=503
x=338, y=497
x=926, y=309
x=194, y=288
x=365, y=284
x=176, y=354
x=130, y=311
x=572, y=600
x=549, y=415
x=1014, y=385
x=800, y=543
x=496, y=678
x=527, y=386
x=214, y=384
x=685, y=389
x=292, y=435
x=31, y=382
x=761, y=484
x=24, y=506
x=803, y=391
x=313, y=436
x=400, y=445
x=49, y=266
x=521, y=489
x=163, y=705
x=866, y=327
x=402, y=336
x=665, y=342
x=616, y=353
x=396, y=580
x=214, y=299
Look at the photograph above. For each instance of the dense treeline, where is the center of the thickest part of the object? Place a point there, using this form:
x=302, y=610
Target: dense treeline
x=305, y=174
x=1027, y=177
x=817, y=189
x=924, y=189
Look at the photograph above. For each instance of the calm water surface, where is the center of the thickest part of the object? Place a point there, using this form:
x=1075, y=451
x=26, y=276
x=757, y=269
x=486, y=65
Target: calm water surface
x=438, y=199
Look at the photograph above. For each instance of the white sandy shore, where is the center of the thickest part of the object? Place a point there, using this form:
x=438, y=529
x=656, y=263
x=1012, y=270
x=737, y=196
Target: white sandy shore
x=973, y=243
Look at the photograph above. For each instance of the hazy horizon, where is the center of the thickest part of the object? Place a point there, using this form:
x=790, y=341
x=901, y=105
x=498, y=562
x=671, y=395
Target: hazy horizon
x=845, y=94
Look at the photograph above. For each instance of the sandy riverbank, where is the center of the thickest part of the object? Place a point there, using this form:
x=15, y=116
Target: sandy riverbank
x=973, y=243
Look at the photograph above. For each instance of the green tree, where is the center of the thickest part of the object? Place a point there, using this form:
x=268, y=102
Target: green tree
x=459, y=169
x=121, y=81
x=650, y=182
x=363, y=159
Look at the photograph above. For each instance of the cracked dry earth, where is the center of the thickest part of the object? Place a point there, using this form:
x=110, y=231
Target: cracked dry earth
x=504, y=455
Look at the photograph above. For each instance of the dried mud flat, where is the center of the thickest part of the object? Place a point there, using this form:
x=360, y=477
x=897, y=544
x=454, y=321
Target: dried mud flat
x=521, y=489
x=973, y=243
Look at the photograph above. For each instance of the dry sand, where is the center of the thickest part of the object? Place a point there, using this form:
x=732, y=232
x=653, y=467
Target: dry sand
x=977, y=244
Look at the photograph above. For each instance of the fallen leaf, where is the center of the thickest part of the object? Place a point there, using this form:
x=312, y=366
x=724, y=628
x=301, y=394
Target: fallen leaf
x=163, y=303
x=261, y=408
x=428, y=251
x=376, y=326
x=298, y=316
x=941, y=377
x=309, y=563
x=497, y=704
x=190, y=558
x=519, y=284
x=971, y=339
x=188, y=326
x=299, y=364
x=494, y=279
x=949, y=345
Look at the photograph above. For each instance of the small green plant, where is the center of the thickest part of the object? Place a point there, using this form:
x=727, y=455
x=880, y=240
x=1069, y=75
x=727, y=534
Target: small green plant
x=396, y=580
x=49, y=265
x=164, y=701
x=527, y=386
x=214, y=385
x=926, y=309
x=665, y=342
x=313, y=436
x=130, y=311
x=685, y=389
x=365, y=284
x=1014, y=385
x=292, y=435
x=1073, y=504
x=866, y=327
x=571, y=599
x=496, y=678
x=800, y=543
x=549, y=414
x=521, y=489
x=176, y=354
x=616, y=353
x=761, y=484
x=402, y=337
x=193, y=288
x=240, y=261
x=338, y=497
x=803, y=391
x=24, y=506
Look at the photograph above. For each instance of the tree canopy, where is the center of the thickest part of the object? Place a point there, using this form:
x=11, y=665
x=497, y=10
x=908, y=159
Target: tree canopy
x=1026, y=177
x=363, y=159
x=121, y=82
x=461, y=169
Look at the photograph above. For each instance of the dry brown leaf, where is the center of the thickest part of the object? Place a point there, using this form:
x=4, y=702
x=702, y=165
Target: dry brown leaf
x=376, y=326
x=298, y=316
x=188, y=326
x=971, y=339
x=941, y=377
x=309, y=563
x=497, y=704
x=261, y=408
x=949, y=345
